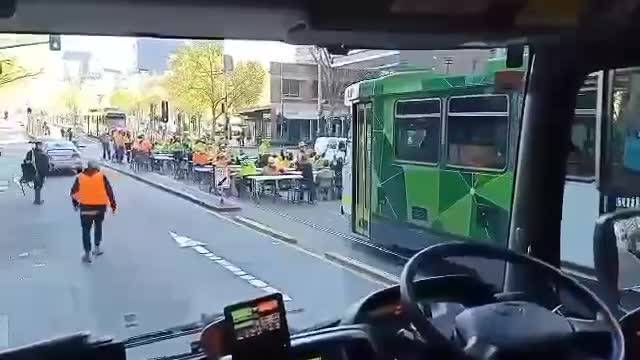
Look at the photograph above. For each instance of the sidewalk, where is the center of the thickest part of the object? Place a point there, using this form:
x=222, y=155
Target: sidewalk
x=184, y=190
x=319, y=227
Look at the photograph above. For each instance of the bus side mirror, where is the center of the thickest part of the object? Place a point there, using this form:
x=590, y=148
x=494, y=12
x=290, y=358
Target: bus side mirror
x=616, y=257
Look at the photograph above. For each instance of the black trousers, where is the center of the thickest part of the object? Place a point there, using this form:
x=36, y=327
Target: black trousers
x=38, y=183
x=310, y=186
x=87, y=221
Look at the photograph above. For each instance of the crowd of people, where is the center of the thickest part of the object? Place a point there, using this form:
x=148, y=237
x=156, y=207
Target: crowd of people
x=120, y=146
x=306, y=161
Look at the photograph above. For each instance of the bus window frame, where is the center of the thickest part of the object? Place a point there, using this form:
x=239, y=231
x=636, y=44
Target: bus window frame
x=605, y=176
x=440, y=116
x=446, y=163
x=601, y=93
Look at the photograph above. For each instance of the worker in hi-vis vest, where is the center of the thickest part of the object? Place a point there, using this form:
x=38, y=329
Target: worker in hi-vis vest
x=92, y=194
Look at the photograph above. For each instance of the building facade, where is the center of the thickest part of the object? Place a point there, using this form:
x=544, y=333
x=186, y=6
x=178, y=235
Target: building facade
x=294, y=102
x=453, y=62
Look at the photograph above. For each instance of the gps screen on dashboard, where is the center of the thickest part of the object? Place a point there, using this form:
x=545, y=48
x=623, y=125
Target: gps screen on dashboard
x=255, y=319
x=258, y=327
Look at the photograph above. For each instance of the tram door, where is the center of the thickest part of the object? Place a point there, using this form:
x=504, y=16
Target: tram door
x=362, y=169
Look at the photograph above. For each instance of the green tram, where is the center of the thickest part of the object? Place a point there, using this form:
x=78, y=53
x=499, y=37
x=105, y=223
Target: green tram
x=436, y=153
x=433, y=157
x=99, y=121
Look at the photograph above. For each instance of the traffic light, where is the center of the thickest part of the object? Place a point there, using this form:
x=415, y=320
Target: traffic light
x=54, y=43
x=164, y=117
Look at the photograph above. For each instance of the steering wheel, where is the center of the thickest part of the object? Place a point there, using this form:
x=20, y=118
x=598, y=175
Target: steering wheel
x=511, y=327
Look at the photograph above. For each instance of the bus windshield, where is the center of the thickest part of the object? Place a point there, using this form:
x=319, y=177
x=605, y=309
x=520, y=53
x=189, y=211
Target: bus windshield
x=271, y=167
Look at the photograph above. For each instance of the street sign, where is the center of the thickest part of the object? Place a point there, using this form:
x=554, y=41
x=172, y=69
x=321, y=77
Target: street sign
x=222, y=178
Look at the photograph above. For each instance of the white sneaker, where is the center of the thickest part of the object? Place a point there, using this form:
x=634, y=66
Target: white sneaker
x=97, y=251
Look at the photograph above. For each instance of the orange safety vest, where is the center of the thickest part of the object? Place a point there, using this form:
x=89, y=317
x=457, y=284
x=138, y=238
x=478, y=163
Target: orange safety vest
x=91, y=190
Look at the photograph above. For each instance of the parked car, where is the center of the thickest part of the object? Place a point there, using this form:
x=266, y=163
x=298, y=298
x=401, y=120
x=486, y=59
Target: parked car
x=63, y=155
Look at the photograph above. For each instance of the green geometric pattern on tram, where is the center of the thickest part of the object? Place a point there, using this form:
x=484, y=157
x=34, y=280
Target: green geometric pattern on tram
x=422, y=184
x=392, y=198
x=491, y=224
x=474, y=205
x=497, y=189
x=457, y=218
x=454, y=186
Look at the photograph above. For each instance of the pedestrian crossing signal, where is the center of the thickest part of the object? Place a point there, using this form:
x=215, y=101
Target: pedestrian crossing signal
x=54, y=43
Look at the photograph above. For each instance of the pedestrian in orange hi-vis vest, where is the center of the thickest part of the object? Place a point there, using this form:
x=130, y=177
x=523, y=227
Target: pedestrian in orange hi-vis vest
x=91, y=194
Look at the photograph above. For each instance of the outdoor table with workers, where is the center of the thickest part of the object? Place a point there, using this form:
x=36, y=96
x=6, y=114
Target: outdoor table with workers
x=214, y=167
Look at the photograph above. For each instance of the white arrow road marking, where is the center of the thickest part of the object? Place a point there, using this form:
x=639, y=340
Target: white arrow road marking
x=184, y=241
x=201, y=250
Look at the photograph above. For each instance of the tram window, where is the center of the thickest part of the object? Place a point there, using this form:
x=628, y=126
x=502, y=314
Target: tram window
x=417, y=130
x=622, y=169
x=581, y=162
x=477, y=131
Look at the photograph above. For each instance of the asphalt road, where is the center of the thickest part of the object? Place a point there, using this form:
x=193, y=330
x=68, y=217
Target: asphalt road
x=150, y=276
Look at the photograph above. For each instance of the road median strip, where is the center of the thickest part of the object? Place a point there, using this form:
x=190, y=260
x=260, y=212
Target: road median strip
x=362, y=268
x=213, y=206
x=265, y=229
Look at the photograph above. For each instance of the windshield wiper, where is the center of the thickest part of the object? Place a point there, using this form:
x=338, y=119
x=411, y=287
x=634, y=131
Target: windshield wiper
x=172, y=332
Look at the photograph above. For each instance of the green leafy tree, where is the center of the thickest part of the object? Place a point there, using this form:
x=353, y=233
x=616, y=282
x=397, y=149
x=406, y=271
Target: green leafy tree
x=11, y=71
x=196, y=80
x=125, y=99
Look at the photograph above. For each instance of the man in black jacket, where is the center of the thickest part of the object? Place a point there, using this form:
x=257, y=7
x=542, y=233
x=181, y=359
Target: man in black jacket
x=40, y=162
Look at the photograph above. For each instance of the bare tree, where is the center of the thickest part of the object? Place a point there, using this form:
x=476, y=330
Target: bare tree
x=332, y=82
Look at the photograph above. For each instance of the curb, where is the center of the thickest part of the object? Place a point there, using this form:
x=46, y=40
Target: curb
x=265, y=229
x=363, y=268
x=181, y=194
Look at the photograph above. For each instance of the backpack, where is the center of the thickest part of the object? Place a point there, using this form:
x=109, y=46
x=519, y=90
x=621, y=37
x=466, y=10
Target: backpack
x=29, y=171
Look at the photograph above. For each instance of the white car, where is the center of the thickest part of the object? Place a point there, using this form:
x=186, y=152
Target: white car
x=63, y=155
x=328, y=147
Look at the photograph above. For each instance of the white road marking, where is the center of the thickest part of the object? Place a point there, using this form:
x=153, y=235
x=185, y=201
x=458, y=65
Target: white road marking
x=300, y=249
x=184, y=241
x=201, y=250
x=4, y=331
x=232, y=268
x=4, y=185
x=271, y=290
x=223, y=262
x=258, y=283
